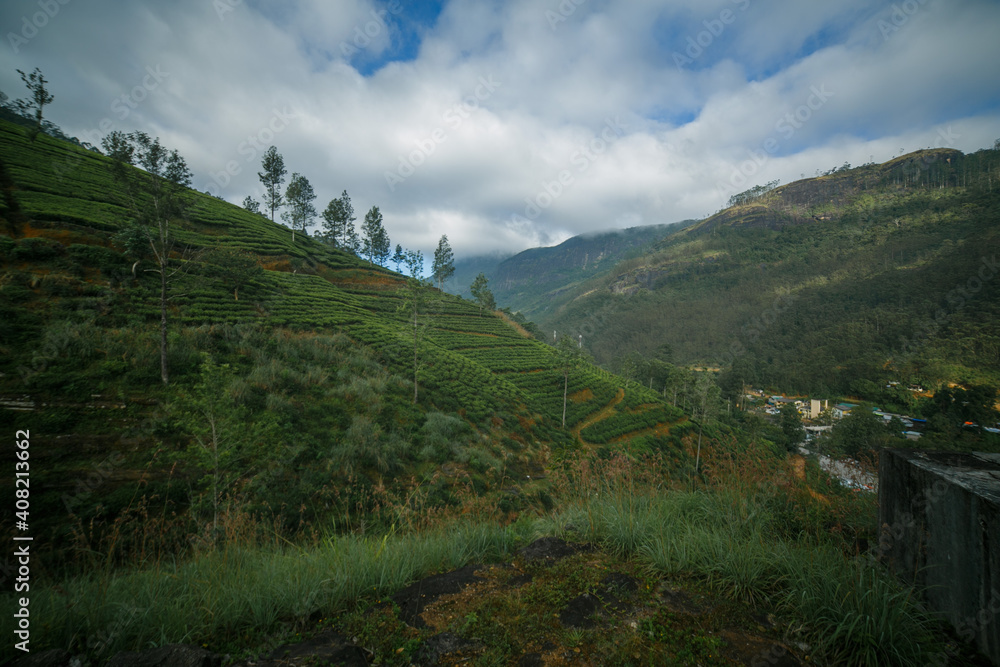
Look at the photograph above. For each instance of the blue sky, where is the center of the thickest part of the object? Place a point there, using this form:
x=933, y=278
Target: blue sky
x=511, y=124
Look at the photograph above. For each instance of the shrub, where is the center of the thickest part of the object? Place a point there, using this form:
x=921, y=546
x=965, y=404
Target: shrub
x=37, y=249
x=7, y=246
x=107, y=260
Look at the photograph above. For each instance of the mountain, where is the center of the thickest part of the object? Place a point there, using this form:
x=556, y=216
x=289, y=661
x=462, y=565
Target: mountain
x=884, y=271
x=529, y=280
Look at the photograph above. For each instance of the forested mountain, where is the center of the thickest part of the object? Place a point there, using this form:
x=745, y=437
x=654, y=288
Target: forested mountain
x=885, y=271
x=530, y=279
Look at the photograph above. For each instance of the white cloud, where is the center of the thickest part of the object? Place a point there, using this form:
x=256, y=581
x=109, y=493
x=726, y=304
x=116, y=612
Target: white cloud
x=483, y=155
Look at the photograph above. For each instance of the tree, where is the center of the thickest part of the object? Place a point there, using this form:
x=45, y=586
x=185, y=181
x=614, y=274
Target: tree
x=225, y=442
x=398, y=258
x=568, y=357
x=952, y=410
x=338, y=222
x=153, y=196
x=299, y=197
x=353, y=242
x=374, y=241
x=860, y=432
x=415, y=264
x=235, y=267
x=251, y=205
x=791, y=426
x=480, y=289
x=272, y=178
x=444, y=262
x=38, y=99
x=415, y=303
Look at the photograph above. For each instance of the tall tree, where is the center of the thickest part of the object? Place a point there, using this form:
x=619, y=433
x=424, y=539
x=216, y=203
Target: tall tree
x=568, y=356
x=338, y=222
x=235, y=267
x=398, y=258
x=415, y=264
x=40, y=96
x=444, y=262
x=415, y=304
x=226, y=442
x=374, y=240
x=153, y=196
x=299, y=197
x=791, y=426
x=272, y=179
x=481, y=292
x=353, y=242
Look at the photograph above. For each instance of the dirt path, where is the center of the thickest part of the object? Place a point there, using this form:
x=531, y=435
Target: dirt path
x=601, y=414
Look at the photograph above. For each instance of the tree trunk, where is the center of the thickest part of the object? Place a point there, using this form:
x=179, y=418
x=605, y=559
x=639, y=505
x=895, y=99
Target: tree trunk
x=414, y=349
x=164, y=374
x=565, y=389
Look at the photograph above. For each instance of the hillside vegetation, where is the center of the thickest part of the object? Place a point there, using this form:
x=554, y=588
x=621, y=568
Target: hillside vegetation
x=885, y=271
x=310, y=365
x=332, y=432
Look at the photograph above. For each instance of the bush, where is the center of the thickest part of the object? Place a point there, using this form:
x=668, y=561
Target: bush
x=37, y=249
x=105, y=259
x=7, y=246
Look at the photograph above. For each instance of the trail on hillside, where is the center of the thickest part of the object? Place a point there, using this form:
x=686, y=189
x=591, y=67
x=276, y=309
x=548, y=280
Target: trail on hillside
x=600, y=415
x=660, y=429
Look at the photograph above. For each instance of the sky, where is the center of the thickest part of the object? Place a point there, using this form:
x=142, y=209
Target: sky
x=513, y=124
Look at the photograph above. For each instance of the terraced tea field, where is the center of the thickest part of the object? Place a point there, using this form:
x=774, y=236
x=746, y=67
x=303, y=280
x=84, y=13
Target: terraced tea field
x=469, y=362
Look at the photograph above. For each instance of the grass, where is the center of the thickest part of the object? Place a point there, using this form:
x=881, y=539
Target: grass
x=228, y=595
x=723, y=539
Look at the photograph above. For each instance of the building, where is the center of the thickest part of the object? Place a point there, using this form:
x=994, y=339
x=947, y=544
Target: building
x=841, y=410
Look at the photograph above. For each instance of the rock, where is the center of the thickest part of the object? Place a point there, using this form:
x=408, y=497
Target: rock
x=618, y=583
x=520, y=580
x=414, y=598
x=550, y=549
x=445, y=644
x=579, y=612
x=171, y=655
x=530, y=660
x=326, y=648
x=54, y=657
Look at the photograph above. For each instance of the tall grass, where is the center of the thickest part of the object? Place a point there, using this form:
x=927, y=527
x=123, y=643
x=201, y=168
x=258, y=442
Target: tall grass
x=223, y=596
x=730, y=535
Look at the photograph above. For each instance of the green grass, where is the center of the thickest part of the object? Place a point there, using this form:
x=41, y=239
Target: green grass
x=224, y=596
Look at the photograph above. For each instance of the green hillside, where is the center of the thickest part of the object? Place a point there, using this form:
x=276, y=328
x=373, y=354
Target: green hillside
x=315, y=361
x=881, y=272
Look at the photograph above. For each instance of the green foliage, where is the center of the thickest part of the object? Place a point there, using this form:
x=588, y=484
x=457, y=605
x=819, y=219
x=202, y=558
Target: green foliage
x=235, y=267
x=481, y=293
x=443, y=266
x=226, y=445
x=299, y=197
x=338, y=224
x=861, y=433
x=791, y=426
x=374, y=239
x=272, y=178
x=37, y=250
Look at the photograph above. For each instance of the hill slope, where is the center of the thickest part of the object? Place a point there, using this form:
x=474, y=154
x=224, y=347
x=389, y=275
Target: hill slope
x=867, y=273
x=316, y=358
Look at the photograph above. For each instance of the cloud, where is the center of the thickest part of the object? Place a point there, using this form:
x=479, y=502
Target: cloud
x=518, y=123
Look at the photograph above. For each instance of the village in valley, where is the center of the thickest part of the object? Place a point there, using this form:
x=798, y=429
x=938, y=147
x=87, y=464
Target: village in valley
x=818, y=418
